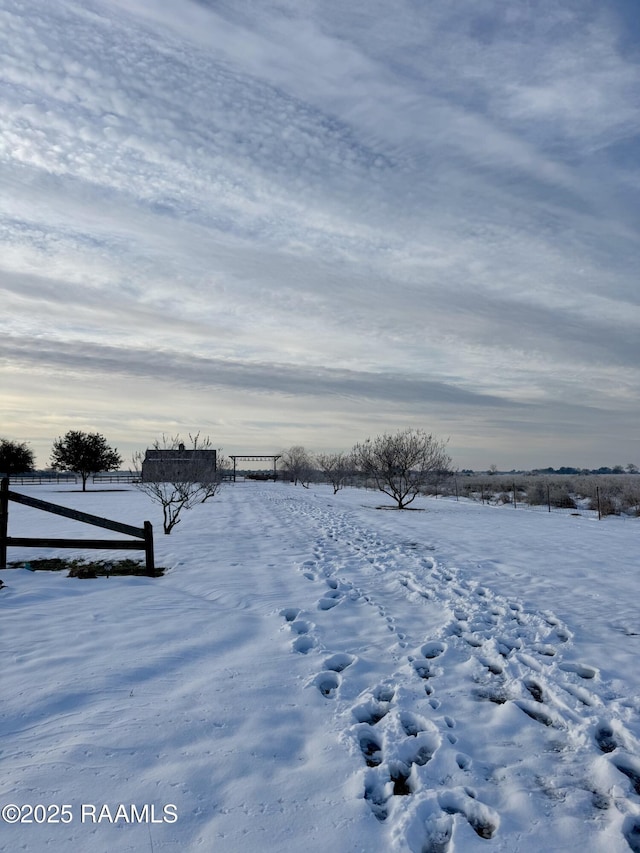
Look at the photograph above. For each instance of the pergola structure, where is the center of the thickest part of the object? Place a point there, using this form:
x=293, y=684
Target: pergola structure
x=258, y=458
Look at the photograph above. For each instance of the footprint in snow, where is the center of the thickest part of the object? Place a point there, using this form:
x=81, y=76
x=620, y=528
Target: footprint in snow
x=412, y=724
x=463, y=761
x=583, y=670
x=332, y=596
x=498, y=696
x=303, y=644
x=563, y=634
x=401, y=776
x=370, y=746
x=534, y=689
x=544, y=649
x=377, y=707
x=377, y=792
x=339, y=662
x=423, y=666
x=507, y=645
x=537, y=713
x=530, y=662
x=370, y=712
x=629, y=765
x=433, y=649
x=580, y=694
x=494, y=666
x=327, y=683
x=290, y=613
x=550, y=618
x=424, y=669
x=438, y=829
x=384, y=693
x=482, y=818
x=605, y=738
x=430, y=829
x=330, y=599
x=386, y=781
x=419, y=749
x=631, y=832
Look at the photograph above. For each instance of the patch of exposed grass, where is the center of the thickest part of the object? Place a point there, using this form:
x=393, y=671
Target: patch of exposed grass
x=80, y=568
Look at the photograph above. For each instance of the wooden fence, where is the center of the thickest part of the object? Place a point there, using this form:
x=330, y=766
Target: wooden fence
x=118, y=477
x=143, y=536
x=41, y=479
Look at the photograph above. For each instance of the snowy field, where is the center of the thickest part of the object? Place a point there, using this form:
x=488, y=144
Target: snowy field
x=316, y=674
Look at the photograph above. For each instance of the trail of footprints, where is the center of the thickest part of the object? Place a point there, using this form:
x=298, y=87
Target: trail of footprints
x=517, y=652
x=412, y=741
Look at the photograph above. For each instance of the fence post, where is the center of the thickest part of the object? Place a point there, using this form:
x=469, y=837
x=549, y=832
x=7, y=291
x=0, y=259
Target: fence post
x=515, y=504
x=598, y=499
x=4, y=521
x=148, y=548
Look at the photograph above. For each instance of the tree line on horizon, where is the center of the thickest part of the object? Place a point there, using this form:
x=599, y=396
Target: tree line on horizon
x=399, y=464
x=16, y=458
x=86, y=453
x=402, y=465
x=564, y=470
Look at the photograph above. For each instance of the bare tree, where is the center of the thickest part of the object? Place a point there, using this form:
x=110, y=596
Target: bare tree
x=297, y=465
x=178, y=477
x=336, y=467
x=402, y=464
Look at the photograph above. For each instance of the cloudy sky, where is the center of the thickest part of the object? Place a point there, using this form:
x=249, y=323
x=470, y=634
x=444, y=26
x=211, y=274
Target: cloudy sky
x=286, y=222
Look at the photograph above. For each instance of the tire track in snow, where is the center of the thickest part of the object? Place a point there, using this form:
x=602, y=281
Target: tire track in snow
x=417, y=779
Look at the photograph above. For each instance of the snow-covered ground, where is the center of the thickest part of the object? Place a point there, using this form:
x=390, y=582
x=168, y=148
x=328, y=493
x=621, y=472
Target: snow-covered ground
x=316, y=674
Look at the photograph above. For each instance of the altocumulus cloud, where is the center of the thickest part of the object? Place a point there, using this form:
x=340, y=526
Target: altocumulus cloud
x=400, y=214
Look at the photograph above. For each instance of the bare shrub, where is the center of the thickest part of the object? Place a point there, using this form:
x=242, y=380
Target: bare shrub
x=630, y=500
x=537, y=492
x=297, y=465
x=181, y=477
x=605, y=504
x=336, y=467
x=560, y=498
x=402, y=465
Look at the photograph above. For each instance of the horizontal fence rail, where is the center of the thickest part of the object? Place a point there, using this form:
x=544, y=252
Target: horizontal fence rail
x=41, y=479
x=118, y=477
x=142, y=536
